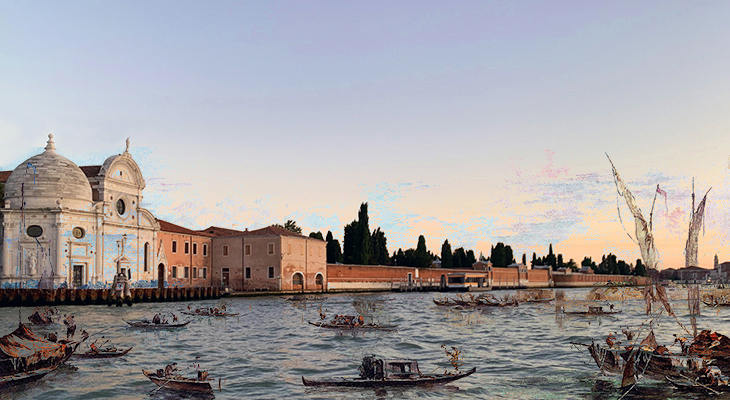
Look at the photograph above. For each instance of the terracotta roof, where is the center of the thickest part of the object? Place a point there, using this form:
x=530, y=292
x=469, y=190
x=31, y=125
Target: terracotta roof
x=267, y=231
x=91, y=170
x=4, y=175
x=218, y=231
x=170, y=227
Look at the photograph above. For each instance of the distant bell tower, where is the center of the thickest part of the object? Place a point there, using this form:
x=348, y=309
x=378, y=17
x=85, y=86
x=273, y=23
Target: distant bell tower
x=716, y=262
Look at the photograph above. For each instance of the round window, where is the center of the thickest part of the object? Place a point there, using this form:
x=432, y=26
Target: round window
x=121, y=207
x=34, y=231
x=78, y=232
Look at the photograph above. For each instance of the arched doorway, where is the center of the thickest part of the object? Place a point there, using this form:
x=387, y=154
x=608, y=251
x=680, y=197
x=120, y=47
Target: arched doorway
x=319, y=281
x=161, y=276
x=297, y=281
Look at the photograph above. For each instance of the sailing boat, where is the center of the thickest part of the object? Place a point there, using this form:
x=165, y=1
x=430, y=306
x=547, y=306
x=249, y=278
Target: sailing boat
x=695, y=223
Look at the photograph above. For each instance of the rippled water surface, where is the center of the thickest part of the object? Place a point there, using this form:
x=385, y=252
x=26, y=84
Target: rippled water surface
x=519, y=353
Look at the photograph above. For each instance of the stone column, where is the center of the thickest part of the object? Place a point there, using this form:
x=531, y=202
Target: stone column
x=59, y=258
x=6, y=244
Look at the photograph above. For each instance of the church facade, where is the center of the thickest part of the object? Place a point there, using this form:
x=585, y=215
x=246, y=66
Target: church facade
x=69, y=226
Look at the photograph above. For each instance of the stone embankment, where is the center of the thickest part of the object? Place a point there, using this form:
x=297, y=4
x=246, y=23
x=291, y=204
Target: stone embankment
x=39, y=297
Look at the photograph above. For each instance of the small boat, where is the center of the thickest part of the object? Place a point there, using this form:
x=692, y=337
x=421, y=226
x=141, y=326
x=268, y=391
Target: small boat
x=595, y=310
x=150, y=325
x=23, y=377
x=180, y=383
x=300, y=297
x=104, y=353
x=538, y=300
x=371, y=327
x=47, y=317
x=209, y=314
x=390, y=372
x=715, y=304
x=693, y=385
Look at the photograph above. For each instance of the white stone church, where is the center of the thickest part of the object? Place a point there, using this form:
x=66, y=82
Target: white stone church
x=65, y=225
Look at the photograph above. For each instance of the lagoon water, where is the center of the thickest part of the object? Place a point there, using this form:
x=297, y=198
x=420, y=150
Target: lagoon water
x=520, y=352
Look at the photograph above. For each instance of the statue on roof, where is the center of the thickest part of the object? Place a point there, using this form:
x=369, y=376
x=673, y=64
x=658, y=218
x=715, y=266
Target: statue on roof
x=127, y=149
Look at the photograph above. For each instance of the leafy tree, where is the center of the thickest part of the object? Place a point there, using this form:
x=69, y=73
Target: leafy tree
x=572, y=265
x=534, y=260
x=399, y=258
x=291, y=225
x=334, y=251
x=560, y=261
x=447, y=257
x=316, y=235
x=640, y=269
x=502, y=255
x=524, y=259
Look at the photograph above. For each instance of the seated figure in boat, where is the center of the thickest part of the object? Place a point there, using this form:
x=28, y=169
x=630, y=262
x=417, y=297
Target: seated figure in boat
x=157, y=319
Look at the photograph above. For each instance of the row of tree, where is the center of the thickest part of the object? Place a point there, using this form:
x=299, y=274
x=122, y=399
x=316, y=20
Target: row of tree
x=363, y=247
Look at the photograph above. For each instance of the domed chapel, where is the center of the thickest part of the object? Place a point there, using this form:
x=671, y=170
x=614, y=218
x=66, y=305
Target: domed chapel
x=64, y=225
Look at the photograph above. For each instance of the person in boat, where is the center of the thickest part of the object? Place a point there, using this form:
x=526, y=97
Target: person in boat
x=361, y=320
x=170, y=369
x=157, y=319
x=70, y=326
x=174, y=317
x=322, y=316
x=51, y=337
x=202, y=375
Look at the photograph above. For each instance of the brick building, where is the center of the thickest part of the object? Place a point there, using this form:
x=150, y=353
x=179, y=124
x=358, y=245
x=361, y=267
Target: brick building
x=270, y=258
x=184, y=258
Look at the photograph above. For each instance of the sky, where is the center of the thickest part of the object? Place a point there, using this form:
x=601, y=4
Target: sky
x=472, y=121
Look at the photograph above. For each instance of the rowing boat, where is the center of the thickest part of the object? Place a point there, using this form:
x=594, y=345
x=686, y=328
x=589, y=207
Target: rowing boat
x=371, y=327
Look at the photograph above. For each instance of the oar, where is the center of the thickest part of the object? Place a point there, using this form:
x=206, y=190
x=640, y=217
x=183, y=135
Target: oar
x=160, y=386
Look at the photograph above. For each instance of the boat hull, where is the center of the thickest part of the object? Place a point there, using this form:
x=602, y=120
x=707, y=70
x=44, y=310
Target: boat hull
x=100, y=355
x=366, y=327
x=179, y=385
x=423, y=380
x=24, y=377
x=156, y=326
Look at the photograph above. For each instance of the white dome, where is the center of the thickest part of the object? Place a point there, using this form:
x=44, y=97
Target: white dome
x=44, y=179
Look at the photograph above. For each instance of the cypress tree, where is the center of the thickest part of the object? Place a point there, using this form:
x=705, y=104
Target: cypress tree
x=447, y=257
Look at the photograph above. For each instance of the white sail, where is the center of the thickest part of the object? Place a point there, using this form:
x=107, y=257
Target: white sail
x=644, y=236
x=695, y=223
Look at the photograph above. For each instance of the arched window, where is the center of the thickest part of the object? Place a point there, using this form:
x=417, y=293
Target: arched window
x=298, y=279
x=146, y=257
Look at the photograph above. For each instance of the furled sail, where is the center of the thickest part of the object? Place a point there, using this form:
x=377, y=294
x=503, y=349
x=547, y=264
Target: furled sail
x=695, y=223
x=644, y=236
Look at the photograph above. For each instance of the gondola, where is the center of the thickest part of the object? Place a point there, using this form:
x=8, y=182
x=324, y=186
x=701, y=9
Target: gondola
x=370, y=327
x=715, y=304
x=179, y=383
x=384, y=373
x=208, y=314
x=592, y=311
x=23, y=352
x=538, y=300
x=23, y=377
x=150, y=325
x=100, y=354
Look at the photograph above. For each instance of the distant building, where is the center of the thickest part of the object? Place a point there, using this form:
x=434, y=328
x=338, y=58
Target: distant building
x=270, y=258
x=185, y=257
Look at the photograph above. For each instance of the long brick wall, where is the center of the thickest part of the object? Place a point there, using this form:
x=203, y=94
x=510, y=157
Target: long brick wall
x=376, y=277
x=583, y=280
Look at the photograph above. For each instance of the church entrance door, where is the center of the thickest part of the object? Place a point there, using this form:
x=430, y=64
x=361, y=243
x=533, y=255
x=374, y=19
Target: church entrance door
x=78, y=277
x=161, y=276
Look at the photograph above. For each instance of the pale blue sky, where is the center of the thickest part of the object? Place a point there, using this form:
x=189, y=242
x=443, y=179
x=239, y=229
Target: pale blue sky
x=473, y=121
